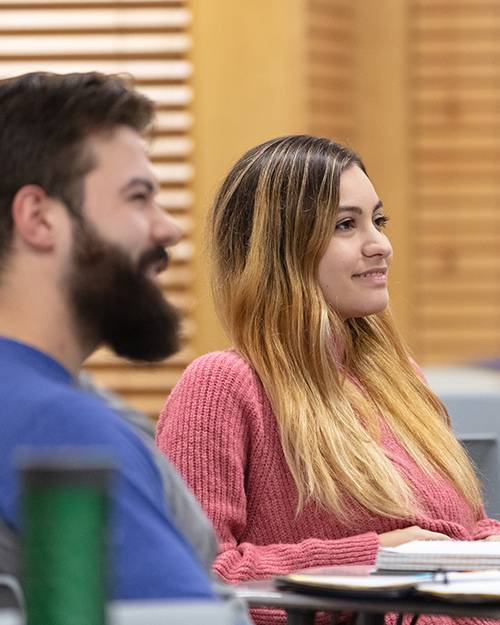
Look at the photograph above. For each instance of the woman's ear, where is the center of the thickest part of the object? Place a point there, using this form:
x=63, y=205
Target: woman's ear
x=34, y=214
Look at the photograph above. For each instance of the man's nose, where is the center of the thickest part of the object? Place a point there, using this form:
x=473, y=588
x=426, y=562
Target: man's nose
x=166, y=230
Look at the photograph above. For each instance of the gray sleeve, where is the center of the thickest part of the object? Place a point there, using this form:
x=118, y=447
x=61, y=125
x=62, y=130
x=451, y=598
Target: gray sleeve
x=188, y=516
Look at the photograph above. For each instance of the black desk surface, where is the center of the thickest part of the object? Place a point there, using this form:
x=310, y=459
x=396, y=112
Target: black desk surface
x=263, y=594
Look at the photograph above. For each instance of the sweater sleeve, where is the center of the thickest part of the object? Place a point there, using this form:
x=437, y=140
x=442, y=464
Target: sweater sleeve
x=206, y=431
x=243, y=562
x=486, y=527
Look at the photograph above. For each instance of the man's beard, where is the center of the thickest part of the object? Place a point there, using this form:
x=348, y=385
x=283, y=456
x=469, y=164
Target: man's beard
x=115, y=303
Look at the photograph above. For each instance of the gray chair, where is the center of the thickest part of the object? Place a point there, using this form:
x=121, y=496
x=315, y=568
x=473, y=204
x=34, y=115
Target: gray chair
x=472, y=398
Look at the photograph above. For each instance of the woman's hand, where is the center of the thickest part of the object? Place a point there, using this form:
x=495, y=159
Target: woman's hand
x=493, y=538
x=406, y=535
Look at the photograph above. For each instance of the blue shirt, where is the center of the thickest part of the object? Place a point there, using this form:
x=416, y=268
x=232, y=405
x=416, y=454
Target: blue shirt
x=41, y=406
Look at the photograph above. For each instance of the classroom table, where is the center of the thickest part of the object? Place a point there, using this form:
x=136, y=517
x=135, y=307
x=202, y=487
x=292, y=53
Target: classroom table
x=301, y=607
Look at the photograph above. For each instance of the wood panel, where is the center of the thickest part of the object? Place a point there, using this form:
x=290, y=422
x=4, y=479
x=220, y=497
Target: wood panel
x=249, y=85
x=455, y=86
x=330, y=65
x=150, y=40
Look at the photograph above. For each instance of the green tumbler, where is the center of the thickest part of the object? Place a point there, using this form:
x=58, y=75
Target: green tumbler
x=64, y=541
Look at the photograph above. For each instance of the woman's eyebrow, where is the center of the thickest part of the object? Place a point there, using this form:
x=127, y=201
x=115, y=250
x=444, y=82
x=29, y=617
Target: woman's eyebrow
x=350, y=209
x=356, y=209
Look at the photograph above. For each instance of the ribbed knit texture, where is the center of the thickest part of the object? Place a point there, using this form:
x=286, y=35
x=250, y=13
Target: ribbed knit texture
x=219, y=430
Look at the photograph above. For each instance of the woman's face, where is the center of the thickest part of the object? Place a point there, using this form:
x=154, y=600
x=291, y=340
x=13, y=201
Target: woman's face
x=352, y=273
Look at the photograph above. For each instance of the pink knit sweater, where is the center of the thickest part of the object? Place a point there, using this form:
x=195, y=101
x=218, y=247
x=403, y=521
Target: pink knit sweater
x=219, y=430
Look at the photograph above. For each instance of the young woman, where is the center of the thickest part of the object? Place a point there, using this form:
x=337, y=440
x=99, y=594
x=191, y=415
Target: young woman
x=315, y=439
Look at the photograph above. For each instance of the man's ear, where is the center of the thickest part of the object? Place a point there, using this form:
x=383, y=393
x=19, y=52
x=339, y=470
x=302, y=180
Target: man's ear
x=34, y=217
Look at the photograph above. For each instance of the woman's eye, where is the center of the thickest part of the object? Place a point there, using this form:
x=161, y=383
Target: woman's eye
x=345, y=226
x=381, y=221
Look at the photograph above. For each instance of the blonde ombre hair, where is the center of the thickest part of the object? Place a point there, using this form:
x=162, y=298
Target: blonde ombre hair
x=328, y=380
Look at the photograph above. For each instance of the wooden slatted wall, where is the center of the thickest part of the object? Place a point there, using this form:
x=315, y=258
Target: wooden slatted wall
x=455, y=142
x=330, y=69
x=150, y=40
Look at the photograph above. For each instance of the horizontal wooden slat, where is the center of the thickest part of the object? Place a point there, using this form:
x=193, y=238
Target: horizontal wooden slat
x=448, y=107
x=458, y=350
x=328, y=82
x=169, y=96
x=474, y=194
x=469, y=81
x=443, y=229
x=176, y=199
x=143, y=71
x=469, y=168
x=457, y=141
x=321, y=25
x=127, y=20
x=331, y=119
x=425, y=5
x=174, y=121
x=480, y=243
x=485, y=268
x=340, y=10
x=434, y=315
x=477, y=340
x=105, y=358
x=448, y=39
x=104, y=45
x=139, y=380
x=329, y=46
x=31, y=5
x=446, y=292
x=467, y=18
x=177, y=278
x=342, y=74
x=179, y=173
x=323, y=104
x=171, y=147
x=454, y=5
x=339, y=130
x=486, y=97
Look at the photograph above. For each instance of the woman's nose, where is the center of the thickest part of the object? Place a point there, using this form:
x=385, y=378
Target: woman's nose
x=377, y=244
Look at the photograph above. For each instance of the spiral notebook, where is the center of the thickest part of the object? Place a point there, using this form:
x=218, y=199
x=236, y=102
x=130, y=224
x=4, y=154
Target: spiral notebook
x=443, y=555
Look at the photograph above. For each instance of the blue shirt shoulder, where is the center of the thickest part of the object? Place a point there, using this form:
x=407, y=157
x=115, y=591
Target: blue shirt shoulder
x=41, y=406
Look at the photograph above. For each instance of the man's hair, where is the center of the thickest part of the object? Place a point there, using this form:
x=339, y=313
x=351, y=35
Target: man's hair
x=45, y=119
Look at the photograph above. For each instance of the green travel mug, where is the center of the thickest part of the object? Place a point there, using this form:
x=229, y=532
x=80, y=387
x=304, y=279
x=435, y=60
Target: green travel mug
x=64, y=540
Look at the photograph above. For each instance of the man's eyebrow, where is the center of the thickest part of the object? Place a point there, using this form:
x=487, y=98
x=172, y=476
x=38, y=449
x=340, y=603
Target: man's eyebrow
x=356, y=209
x=150, y=186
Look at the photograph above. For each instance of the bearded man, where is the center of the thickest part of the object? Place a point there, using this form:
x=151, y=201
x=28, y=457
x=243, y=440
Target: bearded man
x=82, y=242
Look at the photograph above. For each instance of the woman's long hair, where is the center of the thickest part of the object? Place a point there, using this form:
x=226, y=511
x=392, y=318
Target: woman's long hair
x=328, y=380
